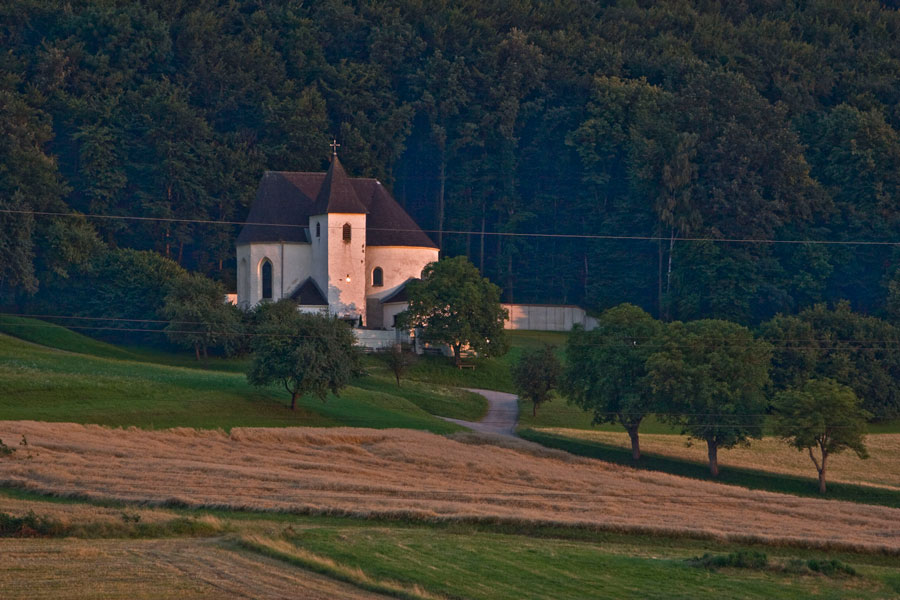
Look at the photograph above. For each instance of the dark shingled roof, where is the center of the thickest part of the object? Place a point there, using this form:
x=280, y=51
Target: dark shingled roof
x=309, y=294
x=287, y=198
x=277, y=201
x=398, y=295
x=337, y=194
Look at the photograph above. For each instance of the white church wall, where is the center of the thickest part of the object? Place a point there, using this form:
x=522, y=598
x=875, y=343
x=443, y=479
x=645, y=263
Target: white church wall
x=318, y=245
x=243, y=276
x=391, y=310
x=398, y=263
x=297, y=266
x=290, y=266
x=346, y=260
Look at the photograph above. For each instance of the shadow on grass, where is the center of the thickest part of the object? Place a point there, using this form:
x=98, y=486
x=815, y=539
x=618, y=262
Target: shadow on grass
x=748, y=478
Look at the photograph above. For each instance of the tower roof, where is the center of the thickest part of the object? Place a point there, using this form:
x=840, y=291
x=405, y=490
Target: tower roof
x=337, y=194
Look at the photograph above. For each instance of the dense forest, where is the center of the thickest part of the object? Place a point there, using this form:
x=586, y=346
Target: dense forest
x=669, y=122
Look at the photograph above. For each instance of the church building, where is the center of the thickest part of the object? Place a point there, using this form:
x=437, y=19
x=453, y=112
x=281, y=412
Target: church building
x=330, y=243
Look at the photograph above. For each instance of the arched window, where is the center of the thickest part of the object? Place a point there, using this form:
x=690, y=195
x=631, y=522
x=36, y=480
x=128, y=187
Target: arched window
x=346, y=232
x=266, y=279
x=318, y=229
x=377, y=277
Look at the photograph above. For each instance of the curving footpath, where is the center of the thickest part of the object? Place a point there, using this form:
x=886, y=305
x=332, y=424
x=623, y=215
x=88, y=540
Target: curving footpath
x=502, y=415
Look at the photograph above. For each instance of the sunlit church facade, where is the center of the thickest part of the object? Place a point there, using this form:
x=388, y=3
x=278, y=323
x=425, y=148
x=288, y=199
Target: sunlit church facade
x=330, y=243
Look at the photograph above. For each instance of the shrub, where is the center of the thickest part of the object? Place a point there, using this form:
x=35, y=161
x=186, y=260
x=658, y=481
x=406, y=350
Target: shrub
x=6, y=450
x=30, y=525
x=831, y=568
x=742, y=559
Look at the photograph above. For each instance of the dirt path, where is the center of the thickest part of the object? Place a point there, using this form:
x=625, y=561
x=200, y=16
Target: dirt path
x=502, y=415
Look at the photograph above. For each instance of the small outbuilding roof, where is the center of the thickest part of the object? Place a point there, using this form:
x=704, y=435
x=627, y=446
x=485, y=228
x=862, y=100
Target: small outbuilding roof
x=398, y=295
x=308, y=293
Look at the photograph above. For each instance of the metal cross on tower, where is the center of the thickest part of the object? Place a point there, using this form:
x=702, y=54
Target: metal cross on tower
x=334, y=146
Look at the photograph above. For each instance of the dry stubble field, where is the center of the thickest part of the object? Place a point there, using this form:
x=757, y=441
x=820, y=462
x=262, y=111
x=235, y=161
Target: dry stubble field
x=881, y=469
x=37, y=569
x=417, y=475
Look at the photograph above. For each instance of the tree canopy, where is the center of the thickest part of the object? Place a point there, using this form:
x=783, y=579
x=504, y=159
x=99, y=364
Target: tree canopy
x=199, y=317
x=710, y=376
x=455, y=305
x=304, y=353
x=536, y=375
x=661, y=120
x=853, y=349
x=822, y=417
x=606, y=368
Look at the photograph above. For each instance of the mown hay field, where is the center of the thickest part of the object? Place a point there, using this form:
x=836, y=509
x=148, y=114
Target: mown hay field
x=419, y=476
x=881, y=469
x=36, y=569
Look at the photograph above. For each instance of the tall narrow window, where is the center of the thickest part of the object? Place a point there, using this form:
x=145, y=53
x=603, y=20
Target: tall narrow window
x=266, y=279
x=346, y=232
x=318, y=229
x=377, y=277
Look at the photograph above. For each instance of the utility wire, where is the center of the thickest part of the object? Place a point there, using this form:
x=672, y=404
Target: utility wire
x=646, y=238
x=626, y=340
x=887, y=343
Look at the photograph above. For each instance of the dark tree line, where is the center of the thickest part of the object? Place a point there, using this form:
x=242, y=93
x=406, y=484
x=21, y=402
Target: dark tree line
x=672, y=119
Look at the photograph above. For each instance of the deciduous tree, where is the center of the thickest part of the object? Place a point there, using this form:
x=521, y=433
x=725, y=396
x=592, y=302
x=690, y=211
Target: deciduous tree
x=198, y=315
x=305, y=353
x=822, y=417
x=455, y=305
x=399, y=360
x=709, y=378
x=536, y=375
x=606, y=368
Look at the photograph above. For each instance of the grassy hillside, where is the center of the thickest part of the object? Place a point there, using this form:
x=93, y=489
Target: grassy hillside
x=489, y=373
x=70, y=377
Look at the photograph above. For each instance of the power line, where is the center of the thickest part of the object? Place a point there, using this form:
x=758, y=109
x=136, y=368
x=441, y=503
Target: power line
x=887, y=343
x=625, y=341
x=573, y=236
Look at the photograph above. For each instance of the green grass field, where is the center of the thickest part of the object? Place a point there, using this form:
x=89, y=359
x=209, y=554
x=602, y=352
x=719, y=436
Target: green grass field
x=489, y=565
x=70, y=377
x=422, y=560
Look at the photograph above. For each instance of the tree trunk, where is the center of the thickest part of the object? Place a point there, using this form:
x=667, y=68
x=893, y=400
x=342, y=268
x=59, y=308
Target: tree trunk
x=457, y=354
x=534, y=409
x=481, y=256
x=659, y=278
x=635, y=442
x=197, y=351
x=294, y=400
x=509, y=279
x=713, y=452
x=820, y=468
x=822, y=474
x=669, y=276
x=443, y=179
x=205, y=353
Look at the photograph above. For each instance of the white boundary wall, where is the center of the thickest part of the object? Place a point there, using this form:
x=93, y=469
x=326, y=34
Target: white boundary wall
x=547, y=317
x=376, y=339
